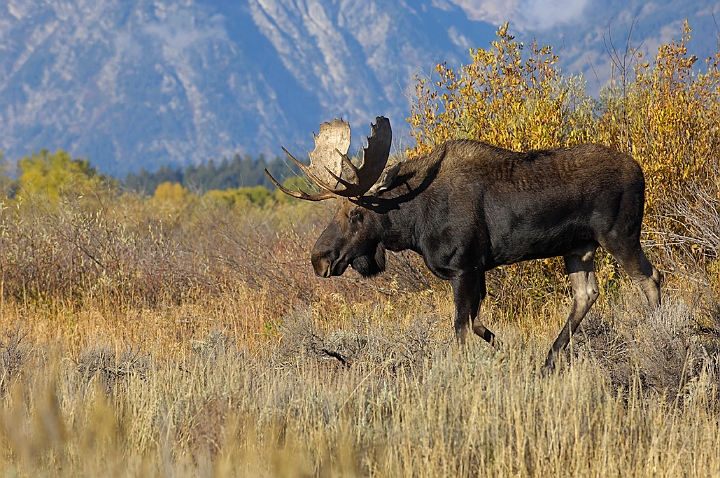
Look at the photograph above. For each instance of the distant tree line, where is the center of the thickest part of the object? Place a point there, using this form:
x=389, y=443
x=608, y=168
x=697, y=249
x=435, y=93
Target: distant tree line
x=240, y=172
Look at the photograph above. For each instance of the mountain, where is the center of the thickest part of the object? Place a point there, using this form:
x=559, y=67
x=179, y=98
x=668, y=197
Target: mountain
x=141, y=83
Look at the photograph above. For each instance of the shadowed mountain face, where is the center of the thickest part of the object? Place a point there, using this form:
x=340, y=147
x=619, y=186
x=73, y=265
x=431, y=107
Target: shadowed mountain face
x=140, y=83
x=131, y=84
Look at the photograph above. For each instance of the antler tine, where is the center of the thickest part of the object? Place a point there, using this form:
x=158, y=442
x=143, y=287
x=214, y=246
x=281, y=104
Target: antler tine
x=374, y=160
x=350, y=165
x=309, y=172
x=347, y=161
x=300, y=194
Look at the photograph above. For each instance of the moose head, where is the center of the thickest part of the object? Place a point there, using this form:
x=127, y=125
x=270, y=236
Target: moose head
x=351, y=238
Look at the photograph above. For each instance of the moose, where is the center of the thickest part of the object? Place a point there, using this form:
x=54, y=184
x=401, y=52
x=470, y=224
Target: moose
x=467, y=207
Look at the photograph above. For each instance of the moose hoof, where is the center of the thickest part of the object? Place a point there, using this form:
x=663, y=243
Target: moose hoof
x=549, y=366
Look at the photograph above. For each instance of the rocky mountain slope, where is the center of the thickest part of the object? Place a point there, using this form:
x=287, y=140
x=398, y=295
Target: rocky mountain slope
x=140, y=83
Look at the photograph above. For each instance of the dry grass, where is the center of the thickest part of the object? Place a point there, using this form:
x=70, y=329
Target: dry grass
x=633, y=399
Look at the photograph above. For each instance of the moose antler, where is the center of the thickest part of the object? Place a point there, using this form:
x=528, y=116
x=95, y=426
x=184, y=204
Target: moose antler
x=330, y=155
x=331, y=145
x=374, y=159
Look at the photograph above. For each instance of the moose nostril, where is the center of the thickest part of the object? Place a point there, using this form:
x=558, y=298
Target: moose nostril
x=321, y=266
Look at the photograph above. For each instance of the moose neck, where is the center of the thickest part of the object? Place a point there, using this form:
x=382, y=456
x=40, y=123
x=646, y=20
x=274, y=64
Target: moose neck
x=397, y=228
x=399, y=218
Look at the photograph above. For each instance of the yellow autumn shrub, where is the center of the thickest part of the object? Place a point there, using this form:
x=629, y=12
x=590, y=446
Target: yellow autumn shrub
x=664, y=111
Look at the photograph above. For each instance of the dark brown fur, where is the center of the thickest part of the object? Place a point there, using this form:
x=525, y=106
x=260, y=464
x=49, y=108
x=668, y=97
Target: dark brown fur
x=468, y=207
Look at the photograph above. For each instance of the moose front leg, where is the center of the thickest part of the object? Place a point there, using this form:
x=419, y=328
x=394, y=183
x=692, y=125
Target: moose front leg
x=469, y=292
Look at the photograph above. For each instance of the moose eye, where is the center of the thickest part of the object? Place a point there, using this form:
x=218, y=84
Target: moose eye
x=355, y=216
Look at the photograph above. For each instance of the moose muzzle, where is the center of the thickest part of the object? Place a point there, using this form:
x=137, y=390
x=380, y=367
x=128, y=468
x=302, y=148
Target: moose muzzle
x=322, y=266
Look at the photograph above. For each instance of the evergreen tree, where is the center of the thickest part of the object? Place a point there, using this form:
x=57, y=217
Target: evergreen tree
x=242, y=172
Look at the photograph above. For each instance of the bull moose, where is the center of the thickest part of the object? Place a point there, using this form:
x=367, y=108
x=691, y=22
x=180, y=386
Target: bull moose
x=467, y=207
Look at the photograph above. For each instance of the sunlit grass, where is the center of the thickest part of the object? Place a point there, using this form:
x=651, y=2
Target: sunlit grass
x=405, y=401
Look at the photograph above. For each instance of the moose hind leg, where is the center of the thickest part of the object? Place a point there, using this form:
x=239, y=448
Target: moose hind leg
x=639, y=268
x=581, y=269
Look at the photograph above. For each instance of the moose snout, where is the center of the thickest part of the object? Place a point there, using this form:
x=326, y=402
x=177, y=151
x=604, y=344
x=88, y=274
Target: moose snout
x=324, y=254
x=321, y=264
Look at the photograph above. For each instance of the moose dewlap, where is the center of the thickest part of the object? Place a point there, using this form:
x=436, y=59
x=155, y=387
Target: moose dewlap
x=467, y=207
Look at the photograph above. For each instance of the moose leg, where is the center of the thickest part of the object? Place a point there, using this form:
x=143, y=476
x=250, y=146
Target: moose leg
x=581, y=268
x=469, y=292
x=639, y=268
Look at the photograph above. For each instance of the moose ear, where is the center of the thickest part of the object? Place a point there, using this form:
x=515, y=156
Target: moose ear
x=386, y=180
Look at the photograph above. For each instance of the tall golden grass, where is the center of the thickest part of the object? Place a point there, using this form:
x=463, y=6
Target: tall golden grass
x=179, y=335
x=404, y=402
